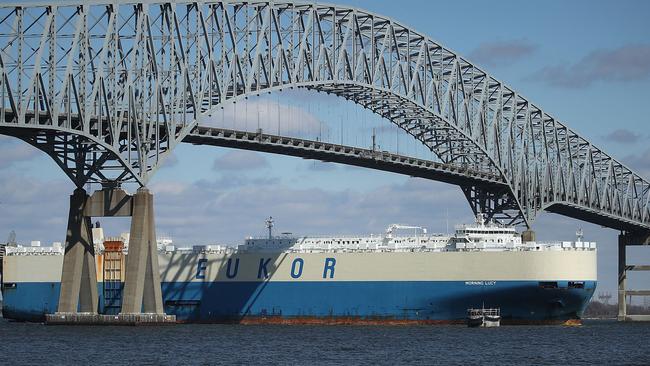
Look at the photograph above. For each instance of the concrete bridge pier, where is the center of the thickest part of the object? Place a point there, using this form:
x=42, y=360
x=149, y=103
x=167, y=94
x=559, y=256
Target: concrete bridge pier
x=142, y=295
x=142, y=291
x=528, y=235
x=79, y=276
x=625, y=240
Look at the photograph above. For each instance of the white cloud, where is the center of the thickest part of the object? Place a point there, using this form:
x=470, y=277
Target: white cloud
x=170, y=161
x=34, y=208
x=629, y=63
x=240, y=160
x=12, y=151
x=173, y=188
x=503, y=53
x=267, y=114
x=639, y=162
x=204, y=211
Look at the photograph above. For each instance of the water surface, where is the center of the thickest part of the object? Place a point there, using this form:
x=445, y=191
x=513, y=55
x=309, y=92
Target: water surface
x=594, y=343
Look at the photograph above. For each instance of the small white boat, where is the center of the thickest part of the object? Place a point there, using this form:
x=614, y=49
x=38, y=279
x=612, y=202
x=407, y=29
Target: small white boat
x=483, y=317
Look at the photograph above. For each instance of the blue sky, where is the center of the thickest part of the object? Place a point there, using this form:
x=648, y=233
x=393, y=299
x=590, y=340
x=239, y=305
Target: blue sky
x=585, y=62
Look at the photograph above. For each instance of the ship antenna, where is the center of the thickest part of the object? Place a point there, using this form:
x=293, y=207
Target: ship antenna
x=269, y=225
x=579, y=234
x=12, y=238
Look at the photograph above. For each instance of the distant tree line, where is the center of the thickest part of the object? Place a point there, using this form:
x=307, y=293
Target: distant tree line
x=597, y=309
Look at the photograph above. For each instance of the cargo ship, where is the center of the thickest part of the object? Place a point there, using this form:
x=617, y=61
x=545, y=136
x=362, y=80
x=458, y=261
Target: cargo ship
x=402, y=276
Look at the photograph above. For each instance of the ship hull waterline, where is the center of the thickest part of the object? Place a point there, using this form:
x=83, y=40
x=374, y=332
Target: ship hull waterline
x=335, y=303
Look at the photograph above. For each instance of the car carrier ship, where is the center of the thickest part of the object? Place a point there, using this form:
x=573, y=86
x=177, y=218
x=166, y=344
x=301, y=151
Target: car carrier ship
x=403, y=276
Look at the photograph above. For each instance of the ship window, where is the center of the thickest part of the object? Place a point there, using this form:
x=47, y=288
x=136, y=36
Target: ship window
x=548, y=284
x=576, y=284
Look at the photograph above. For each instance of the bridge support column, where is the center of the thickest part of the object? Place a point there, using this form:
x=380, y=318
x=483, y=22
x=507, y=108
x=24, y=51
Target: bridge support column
x=142, y=292
x=528, y=235
x=79, y=276
x=622, y=274
x=625, y=240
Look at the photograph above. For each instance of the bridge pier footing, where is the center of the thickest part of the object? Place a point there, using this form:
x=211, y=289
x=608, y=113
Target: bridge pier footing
x=625, y=240
x=79, y=276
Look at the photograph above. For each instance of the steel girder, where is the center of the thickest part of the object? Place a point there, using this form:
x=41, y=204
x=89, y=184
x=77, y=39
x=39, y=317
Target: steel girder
x=133, y=79
x=336, y=153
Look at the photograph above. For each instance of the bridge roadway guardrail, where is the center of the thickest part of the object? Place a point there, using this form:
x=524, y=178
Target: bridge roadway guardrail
x=351, y=155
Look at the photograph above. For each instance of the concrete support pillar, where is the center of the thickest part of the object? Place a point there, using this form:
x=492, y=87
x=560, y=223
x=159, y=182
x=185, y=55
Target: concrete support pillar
x=142, y=284
x=528, y=235
x=622, y=275
x=152, y=296
x=79, y=276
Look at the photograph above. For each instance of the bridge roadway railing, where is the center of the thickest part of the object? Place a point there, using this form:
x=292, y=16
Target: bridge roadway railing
x=344, y=154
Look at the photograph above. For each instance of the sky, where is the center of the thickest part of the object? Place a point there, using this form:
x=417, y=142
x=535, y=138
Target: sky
x=585, y=62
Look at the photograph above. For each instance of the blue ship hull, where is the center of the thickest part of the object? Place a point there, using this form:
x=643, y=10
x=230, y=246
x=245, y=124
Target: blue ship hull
x=335, y=302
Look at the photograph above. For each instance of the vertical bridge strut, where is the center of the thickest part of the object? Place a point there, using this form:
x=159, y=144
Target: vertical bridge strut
x=79, y=276
x=625, y=240
x=142, y=286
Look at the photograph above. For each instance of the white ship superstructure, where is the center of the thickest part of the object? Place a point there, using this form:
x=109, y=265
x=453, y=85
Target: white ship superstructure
x=480, y=236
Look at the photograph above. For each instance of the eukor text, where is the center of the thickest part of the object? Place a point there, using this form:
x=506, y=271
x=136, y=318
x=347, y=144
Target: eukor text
x=264, y=269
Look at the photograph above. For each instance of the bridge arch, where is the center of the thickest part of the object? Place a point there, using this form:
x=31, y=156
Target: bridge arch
x=137, y=77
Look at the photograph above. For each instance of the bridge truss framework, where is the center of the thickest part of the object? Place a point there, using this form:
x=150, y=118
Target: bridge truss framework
x=108, y=89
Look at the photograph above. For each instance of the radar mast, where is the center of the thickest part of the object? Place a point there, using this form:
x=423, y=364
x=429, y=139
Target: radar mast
x=269, y=225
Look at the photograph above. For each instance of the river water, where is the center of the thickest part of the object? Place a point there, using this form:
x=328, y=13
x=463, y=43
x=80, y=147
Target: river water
x=594, y=343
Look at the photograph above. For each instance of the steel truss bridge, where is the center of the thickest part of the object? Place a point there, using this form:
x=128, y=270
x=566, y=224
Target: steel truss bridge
x=109, y=88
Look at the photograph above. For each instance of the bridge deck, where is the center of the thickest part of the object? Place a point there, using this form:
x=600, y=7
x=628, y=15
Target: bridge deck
x=350, y=155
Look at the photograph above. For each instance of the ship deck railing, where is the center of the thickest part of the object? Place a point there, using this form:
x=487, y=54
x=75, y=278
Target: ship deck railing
x=380, y=249
x=411, y=250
